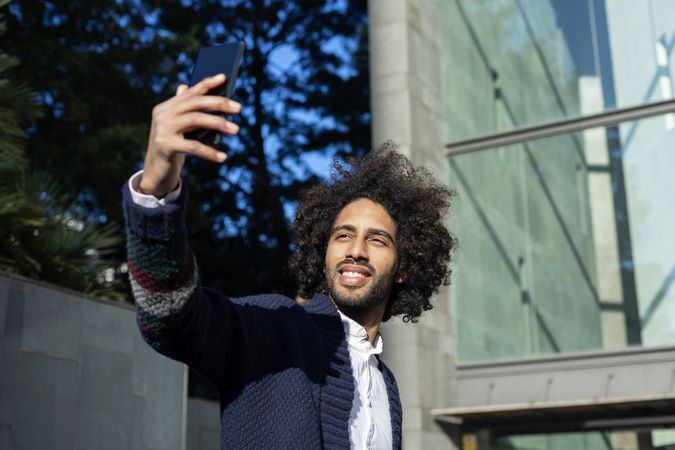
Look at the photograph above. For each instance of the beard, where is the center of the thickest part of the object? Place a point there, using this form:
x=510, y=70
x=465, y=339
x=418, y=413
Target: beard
x=363, y=298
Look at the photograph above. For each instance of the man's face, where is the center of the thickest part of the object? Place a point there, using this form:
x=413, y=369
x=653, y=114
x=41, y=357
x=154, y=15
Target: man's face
x=361, y=256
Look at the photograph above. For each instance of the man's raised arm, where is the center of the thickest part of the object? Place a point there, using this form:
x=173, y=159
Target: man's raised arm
x=162, y=269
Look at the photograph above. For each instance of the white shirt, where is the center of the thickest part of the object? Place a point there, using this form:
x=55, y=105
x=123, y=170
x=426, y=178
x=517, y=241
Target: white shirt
x=147, y=200
x=369, y=419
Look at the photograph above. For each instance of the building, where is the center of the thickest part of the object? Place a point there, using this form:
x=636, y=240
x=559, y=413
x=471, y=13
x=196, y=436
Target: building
x=553, y=119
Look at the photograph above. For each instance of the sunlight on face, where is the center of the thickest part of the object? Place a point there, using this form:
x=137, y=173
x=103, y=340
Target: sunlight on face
x=361, y=255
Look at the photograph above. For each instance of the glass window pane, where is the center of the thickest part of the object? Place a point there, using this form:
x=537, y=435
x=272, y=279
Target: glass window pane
x=566, y=243
x=647, y=439
x=513, y=63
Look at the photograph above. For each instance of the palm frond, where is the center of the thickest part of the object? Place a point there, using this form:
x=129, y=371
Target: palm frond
x=42, y=236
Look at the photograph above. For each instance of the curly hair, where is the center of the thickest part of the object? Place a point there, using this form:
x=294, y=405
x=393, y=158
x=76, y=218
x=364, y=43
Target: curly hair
x=415, y=201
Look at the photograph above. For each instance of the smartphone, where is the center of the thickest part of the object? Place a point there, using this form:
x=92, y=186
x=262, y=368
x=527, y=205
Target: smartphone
x=212, y=61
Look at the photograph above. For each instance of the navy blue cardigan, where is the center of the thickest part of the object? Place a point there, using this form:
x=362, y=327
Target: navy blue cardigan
x=282, y=370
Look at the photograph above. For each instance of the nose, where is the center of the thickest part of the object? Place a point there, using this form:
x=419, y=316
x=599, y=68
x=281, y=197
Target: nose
x=358, y=250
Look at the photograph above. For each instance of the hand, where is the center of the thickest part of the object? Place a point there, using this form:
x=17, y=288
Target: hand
x=184, y=112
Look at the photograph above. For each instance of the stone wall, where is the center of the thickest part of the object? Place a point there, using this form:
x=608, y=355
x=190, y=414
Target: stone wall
x=75, y=374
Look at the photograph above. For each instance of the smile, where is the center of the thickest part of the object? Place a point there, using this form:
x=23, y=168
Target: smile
x=353, y=275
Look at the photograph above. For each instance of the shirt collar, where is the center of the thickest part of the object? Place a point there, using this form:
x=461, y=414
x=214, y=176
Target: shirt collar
x=357, y=333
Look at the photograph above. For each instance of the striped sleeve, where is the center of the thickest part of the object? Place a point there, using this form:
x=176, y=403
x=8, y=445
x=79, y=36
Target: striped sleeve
x=198, y=326
x=162, y=268
x=161, y=284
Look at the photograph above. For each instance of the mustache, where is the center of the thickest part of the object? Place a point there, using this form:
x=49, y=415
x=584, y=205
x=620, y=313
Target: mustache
x=351, y=262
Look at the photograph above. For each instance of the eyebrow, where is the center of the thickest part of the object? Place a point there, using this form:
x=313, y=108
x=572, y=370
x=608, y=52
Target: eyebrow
x=370, y=231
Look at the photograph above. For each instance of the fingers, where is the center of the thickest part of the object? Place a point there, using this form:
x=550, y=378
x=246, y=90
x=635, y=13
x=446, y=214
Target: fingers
x=188, y=110
x=207, y=84
x=194, y=120
x=193, y=98
x=213, y=103
x=183, y=92
x=199, y=150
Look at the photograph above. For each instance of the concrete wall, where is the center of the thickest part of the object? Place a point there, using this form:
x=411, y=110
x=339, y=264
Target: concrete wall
x=406, y=107
x=203, y=424
x=75, y=374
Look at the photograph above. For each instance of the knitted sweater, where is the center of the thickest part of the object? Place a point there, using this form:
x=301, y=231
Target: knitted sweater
x=282, y=370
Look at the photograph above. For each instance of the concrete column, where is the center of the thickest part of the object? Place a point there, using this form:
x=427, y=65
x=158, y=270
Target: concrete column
x=406, y=108
x=405, y=71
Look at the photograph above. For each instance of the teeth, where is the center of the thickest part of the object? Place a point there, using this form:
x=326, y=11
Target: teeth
x=353, y=274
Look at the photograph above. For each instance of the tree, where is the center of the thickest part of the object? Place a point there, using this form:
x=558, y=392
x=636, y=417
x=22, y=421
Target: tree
x=41, y=237
x=98, y=67
x=303, y=91
x=303, y=94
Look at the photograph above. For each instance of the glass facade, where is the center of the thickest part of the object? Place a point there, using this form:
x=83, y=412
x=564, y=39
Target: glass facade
x=646, y=439
x=525, y=274
x=513, y=63
x=567, y=243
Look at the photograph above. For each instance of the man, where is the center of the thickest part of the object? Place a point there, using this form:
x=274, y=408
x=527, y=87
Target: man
x=371, y=245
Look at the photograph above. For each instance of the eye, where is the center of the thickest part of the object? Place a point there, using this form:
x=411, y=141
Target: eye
x=342, y=236
x=378, y=241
